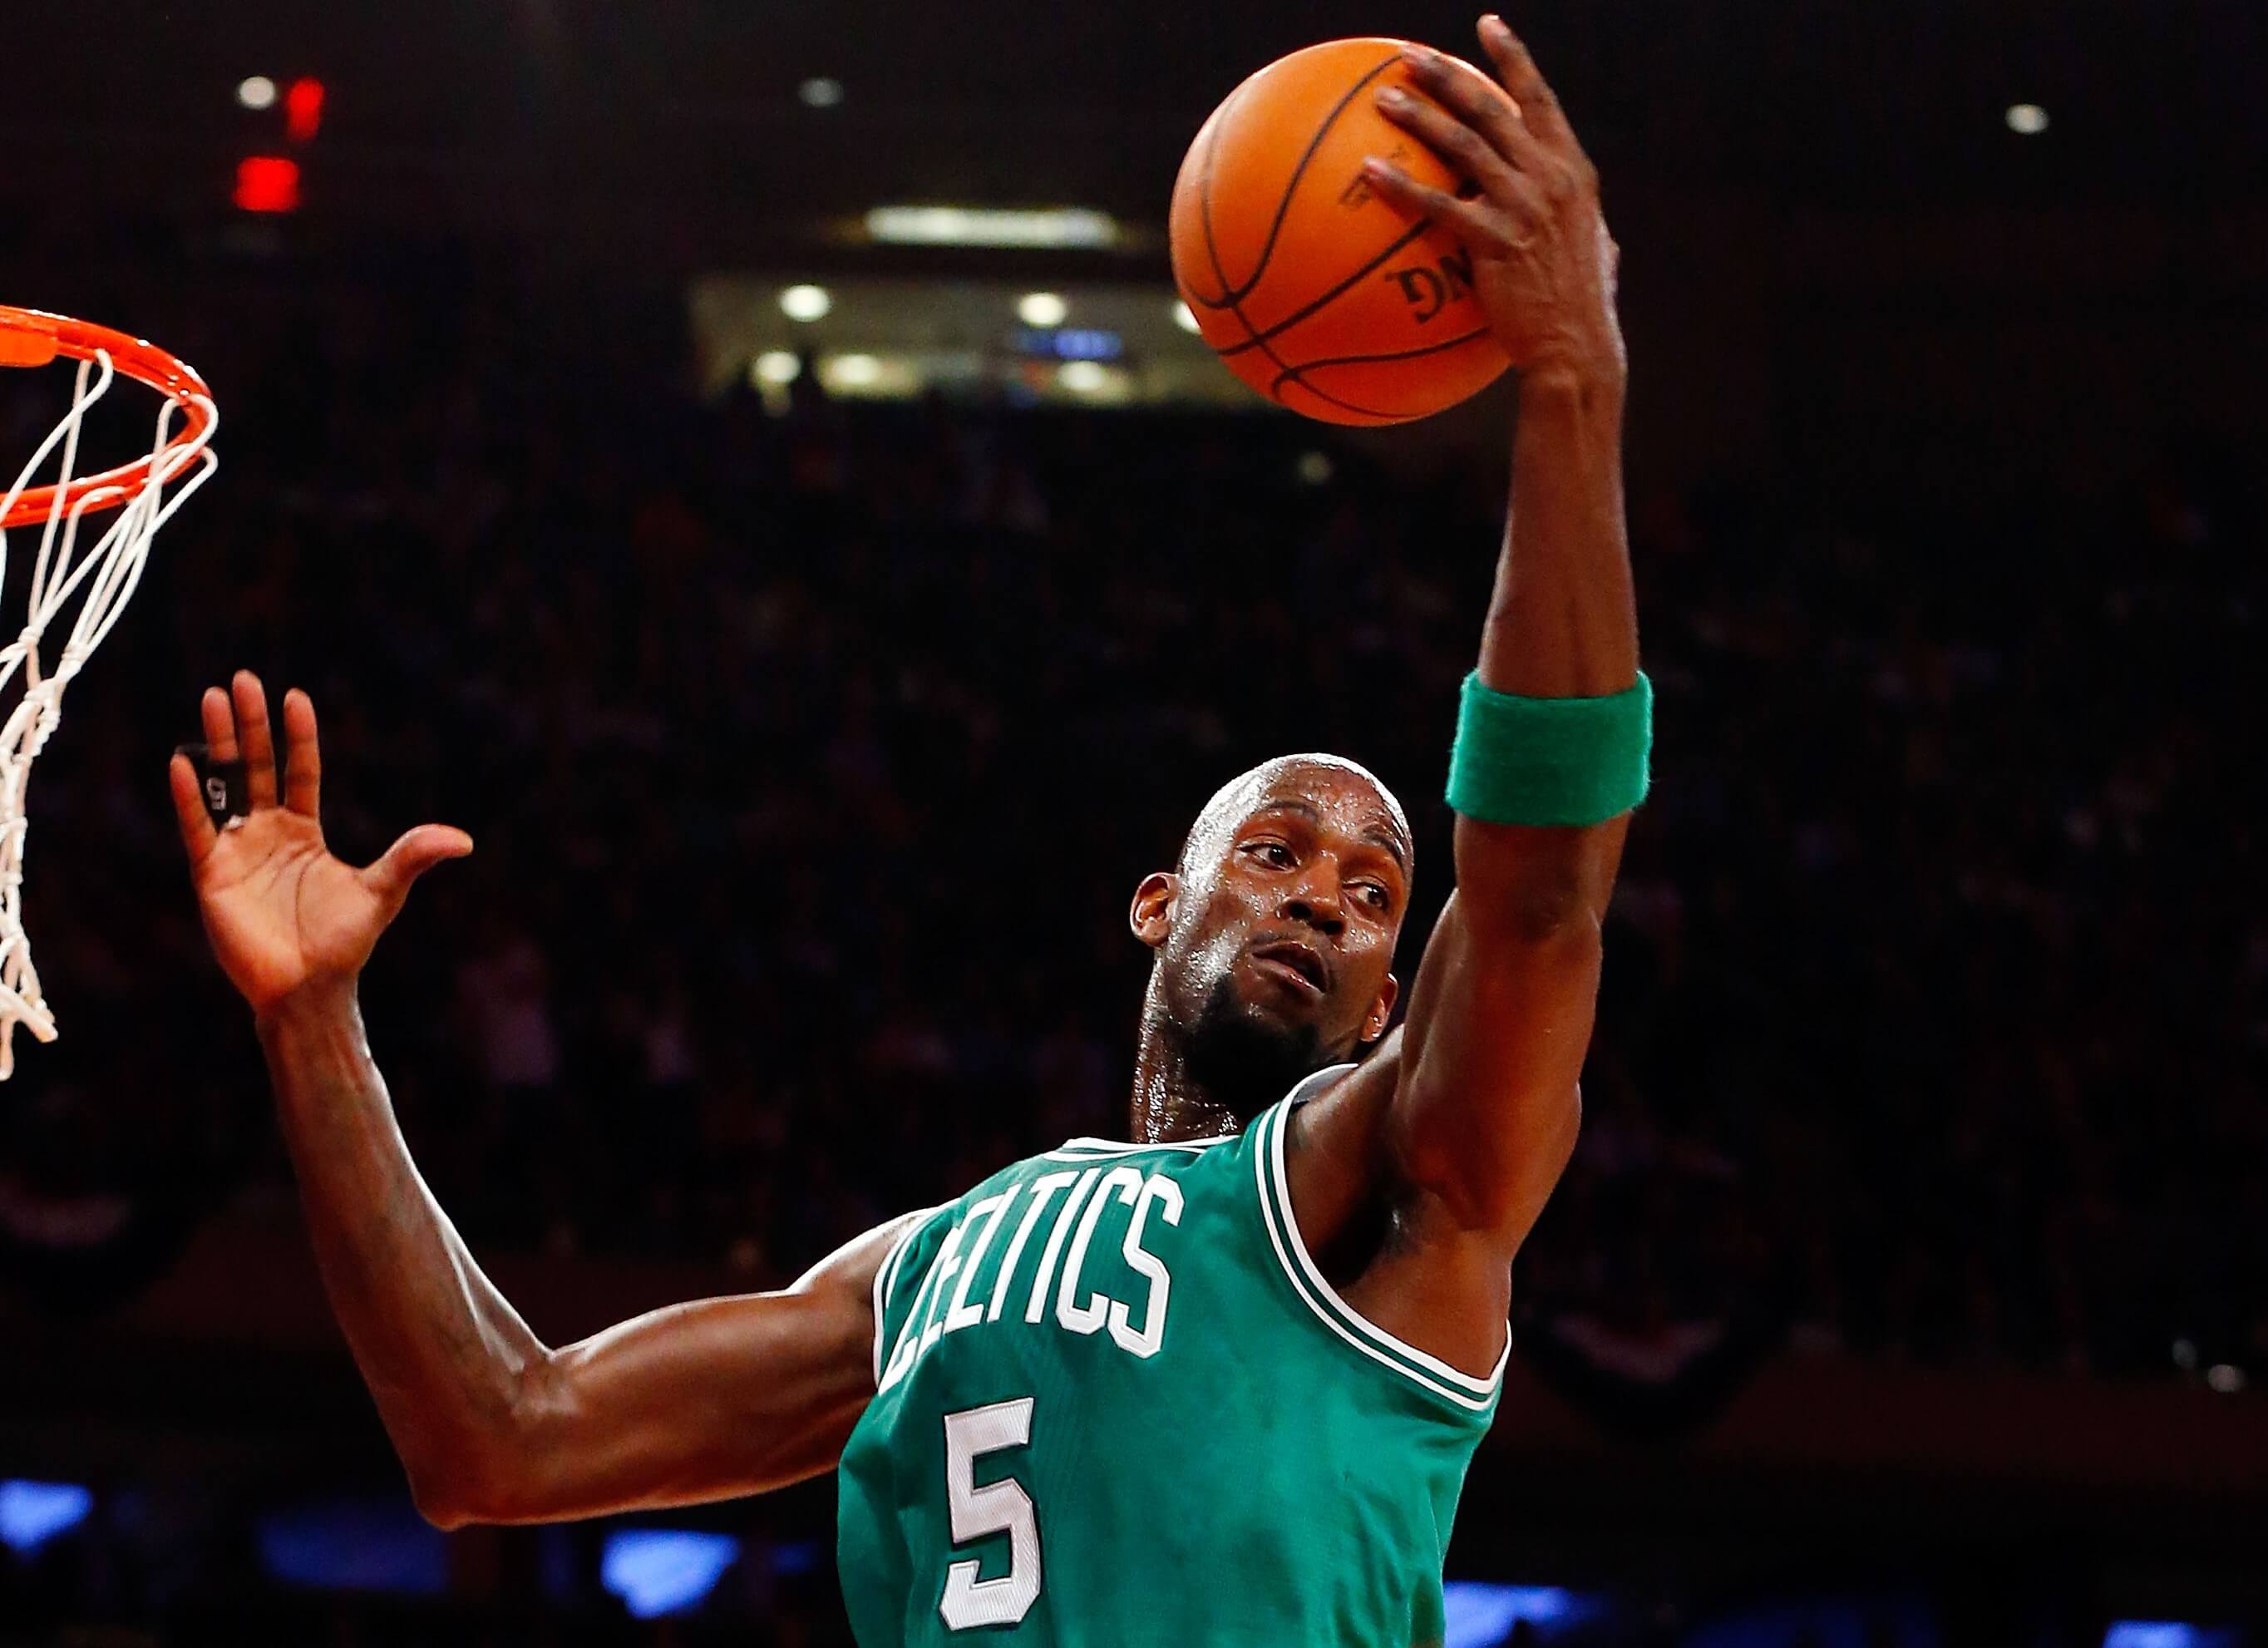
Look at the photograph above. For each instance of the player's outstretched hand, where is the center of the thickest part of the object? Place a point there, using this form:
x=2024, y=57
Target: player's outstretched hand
x=1543, y=265
x=281, y=911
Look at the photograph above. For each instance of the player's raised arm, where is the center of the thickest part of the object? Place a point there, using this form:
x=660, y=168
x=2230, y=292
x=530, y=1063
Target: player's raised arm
x=1553, y=731
x=702, y=1401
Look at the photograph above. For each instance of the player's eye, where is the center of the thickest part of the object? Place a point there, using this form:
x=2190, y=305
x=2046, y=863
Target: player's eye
x=1375, y=894
x=1274, y=852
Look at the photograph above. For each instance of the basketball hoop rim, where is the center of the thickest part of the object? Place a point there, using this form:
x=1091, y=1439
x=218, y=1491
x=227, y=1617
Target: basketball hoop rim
x=33, y=337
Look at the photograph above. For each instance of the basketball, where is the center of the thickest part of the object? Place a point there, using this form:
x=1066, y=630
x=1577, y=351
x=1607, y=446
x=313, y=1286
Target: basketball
x=1315, y=289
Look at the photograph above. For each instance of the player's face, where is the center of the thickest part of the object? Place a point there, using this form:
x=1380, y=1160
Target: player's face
x=1288, y=925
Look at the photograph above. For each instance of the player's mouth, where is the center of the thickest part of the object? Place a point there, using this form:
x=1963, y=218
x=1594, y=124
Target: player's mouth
x=1297, y=965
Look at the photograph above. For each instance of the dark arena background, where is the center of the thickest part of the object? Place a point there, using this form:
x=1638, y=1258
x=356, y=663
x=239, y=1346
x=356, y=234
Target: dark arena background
x=822, y=611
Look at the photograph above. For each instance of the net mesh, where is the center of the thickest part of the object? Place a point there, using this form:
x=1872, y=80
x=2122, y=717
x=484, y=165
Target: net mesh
x=82, y=574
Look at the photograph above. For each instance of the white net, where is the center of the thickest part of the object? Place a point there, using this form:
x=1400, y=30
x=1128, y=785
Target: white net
x=78, y=589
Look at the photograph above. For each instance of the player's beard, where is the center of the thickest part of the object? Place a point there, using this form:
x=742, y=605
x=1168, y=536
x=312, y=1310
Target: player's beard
x=1242, y=1059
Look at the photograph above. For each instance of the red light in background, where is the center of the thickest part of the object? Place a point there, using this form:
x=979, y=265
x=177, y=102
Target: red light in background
x=267, y=183
x=303, y=109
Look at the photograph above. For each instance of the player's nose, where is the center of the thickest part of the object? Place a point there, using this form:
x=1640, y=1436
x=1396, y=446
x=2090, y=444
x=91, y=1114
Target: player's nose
x=1316, y=905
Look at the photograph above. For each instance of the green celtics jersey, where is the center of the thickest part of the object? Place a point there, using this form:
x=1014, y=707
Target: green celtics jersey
x=1117, y=1404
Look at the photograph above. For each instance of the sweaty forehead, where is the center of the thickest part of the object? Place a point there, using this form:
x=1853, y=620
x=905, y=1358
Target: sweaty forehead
x=1333, y=792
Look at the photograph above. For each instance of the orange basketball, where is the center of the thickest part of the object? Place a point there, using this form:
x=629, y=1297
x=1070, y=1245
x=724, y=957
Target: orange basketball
x=1315, y=289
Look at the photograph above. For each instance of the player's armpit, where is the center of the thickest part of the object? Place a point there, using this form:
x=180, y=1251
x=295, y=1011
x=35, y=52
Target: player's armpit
x=708, y=1401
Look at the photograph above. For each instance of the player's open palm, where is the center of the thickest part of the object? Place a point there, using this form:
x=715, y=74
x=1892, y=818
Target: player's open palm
x=281, y=910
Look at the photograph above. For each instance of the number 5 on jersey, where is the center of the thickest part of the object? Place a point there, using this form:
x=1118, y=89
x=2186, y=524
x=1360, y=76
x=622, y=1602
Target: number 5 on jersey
x=997, y=1507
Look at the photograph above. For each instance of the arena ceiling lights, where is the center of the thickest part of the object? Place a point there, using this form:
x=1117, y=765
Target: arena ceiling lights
x=982, y=340
x=1053, y=228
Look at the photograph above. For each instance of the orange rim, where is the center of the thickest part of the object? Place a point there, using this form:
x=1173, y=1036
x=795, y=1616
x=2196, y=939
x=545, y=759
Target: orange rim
x=31, y=337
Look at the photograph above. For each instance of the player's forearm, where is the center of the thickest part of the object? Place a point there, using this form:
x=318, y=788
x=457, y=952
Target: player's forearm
x=1563, y=620
x=446, y=1358
x=1561, y=623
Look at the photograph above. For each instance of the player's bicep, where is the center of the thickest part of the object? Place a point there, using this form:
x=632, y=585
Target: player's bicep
x=1486, y=1107
x=702, y=1402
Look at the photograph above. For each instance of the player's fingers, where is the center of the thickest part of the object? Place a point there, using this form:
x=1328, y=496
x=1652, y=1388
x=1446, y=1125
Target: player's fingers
x=1478, y=222
x=197, y=832
x=220, y=723
x=1534, y=158
x=303, y=758
x=1466, y=93
x=252, y=733
x=1515, y=67
x=417, y=851
x=1462, y=150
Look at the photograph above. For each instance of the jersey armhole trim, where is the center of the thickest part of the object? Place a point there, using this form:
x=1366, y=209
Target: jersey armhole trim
x=885, y=1277
x=1476, y=1395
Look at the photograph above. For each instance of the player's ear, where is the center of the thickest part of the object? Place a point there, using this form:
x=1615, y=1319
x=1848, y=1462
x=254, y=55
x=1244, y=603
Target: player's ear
x=1151, y=918
x=1381, y=1010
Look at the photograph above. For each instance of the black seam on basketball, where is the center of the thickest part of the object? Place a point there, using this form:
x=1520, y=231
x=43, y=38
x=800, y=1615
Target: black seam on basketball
x=1297, y=374
x=1227, y=300
x=1292, y=373
x=1283, y=200
x=1344, y=286
x=1233, y=300
x=1287, y=372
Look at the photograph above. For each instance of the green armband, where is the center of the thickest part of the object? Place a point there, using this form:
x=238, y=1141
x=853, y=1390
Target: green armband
x=1550, y=760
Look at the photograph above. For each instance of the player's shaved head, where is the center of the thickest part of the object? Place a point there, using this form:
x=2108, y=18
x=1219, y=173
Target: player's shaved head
x=1237, y=799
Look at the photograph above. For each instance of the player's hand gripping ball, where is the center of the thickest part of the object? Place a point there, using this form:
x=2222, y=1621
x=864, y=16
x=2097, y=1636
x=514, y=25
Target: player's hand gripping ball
x=1312, y=286
x=1380, y=292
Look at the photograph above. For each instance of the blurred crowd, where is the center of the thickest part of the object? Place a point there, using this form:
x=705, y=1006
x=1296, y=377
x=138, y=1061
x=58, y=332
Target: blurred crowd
x=814, y=752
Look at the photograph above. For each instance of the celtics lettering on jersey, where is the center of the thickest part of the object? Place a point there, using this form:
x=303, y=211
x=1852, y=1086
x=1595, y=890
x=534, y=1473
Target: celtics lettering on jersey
x=1105, y=1366
x=951, y=1302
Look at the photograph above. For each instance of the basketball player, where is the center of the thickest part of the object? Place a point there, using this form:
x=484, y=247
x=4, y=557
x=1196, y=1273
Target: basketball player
x=1219, y=1385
